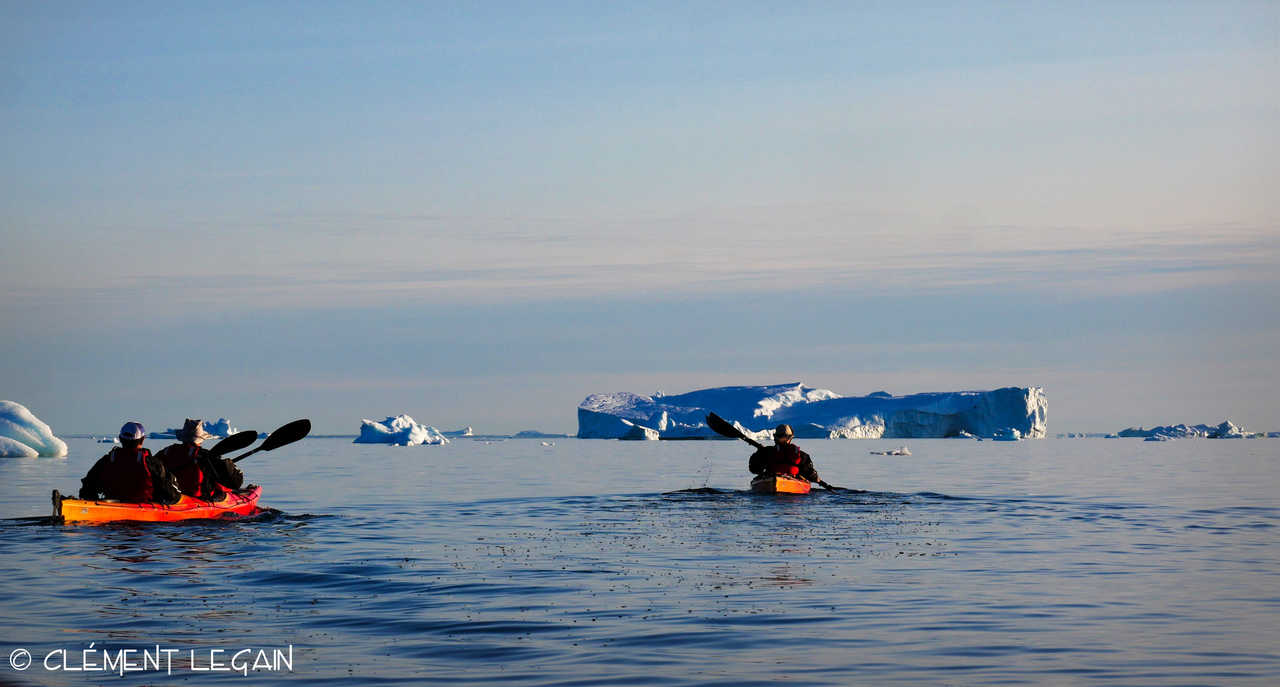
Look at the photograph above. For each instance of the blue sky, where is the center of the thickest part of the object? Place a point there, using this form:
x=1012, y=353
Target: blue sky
x=478, y=213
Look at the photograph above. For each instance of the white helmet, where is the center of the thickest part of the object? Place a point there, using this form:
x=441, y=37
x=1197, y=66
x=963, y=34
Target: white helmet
x=132, y=431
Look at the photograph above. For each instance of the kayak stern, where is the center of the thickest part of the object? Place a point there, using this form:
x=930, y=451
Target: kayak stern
x=779, y=484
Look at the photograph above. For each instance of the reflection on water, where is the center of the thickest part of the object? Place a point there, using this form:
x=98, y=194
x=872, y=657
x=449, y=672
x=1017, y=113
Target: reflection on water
x=538, y=581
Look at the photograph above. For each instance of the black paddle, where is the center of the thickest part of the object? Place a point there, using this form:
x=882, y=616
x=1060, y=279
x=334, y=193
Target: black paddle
x=235, y=442
x=722, y=427
x=287, y=434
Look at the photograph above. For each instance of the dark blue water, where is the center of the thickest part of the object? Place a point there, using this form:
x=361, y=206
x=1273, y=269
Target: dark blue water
x=600, y=562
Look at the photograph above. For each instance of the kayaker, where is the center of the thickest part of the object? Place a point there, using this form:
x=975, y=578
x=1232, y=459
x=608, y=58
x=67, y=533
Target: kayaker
x=199, y=472
x=130, y=473
x=783, y=458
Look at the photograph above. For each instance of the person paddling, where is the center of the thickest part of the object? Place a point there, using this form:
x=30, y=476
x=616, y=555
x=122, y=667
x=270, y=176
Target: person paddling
x=199, y=472
x=783, y=458
x=130, y=473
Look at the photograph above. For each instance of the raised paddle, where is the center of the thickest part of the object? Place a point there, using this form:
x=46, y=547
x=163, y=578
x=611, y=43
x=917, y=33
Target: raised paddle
x=722, y=427
x=235, y=442
x=287, y=434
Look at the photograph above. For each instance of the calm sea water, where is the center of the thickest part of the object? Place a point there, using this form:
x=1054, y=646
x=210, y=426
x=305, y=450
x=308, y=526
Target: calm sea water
x=1088, y=561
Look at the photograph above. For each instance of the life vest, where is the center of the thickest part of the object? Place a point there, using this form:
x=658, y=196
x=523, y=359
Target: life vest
x=128, y=477
x=786, y=460
x=180, y=460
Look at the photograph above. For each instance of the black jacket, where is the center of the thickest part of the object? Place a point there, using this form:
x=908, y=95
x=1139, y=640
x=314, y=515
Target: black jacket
x=779, y=458
x=214, y=473
x=109, y=479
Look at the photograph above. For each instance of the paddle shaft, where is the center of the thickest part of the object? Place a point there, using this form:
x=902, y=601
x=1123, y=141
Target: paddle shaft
x=287, y=434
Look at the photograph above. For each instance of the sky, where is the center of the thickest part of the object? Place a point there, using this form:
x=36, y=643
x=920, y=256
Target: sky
x=480, y=213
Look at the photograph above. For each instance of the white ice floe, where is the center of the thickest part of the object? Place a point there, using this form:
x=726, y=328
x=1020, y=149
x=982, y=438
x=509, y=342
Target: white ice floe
x=400, y=430
x=22, y=434
x=818, y=413
x=900, y=451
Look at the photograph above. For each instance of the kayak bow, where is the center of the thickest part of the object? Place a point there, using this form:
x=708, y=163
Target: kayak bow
x=239, y=502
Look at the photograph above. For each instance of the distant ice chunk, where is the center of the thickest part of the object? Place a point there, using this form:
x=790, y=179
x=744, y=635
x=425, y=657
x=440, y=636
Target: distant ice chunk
x=1226, y=430
x=220, y=428
x=400, y=430
x=1007, y=434
x=24, y=435
x=900, y=451
x=464, y=432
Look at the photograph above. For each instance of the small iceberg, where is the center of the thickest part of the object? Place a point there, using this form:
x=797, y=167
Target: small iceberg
x=400, y=430
x=23, y=435
x=900, y=451
x=467, y=431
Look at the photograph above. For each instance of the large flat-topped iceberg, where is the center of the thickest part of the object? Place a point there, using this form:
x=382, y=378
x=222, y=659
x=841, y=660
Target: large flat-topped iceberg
x=24, y=435
x=818, y=413
x=400, y=430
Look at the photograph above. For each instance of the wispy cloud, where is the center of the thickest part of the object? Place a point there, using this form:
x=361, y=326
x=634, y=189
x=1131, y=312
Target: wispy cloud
x=439, y=259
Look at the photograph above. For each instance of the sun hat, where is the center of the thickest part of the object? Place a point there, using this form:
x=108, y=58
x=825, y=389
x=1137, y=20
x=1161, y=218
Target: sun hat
x=192, y=431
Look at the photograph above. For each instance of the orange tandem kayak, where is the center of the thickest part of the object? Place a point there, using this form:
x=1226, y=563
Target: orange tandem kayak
x=779, y=484
x=240, y=502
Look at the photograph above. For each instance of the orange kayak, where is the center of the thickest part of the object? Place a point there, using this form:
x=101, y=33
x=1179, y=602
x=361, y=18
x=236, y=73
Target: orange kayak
x=779, y=484
x=240, y=502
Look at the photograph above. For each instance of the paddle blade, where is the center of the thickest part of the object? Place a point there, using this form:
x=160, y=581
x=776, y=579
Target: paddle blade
x=235, y=442
x=722, y=427
x=287, y=434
